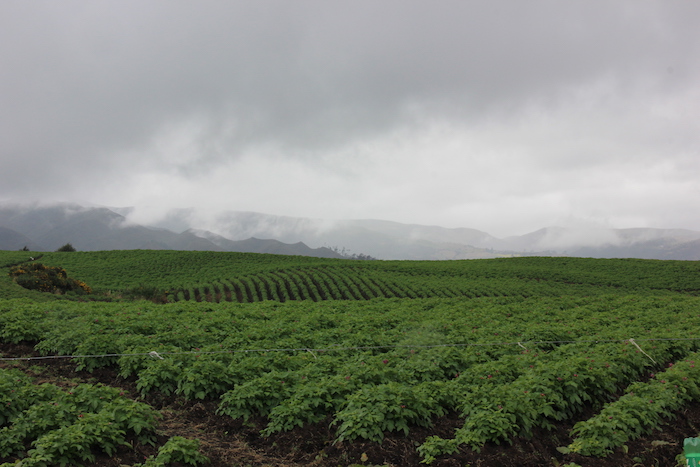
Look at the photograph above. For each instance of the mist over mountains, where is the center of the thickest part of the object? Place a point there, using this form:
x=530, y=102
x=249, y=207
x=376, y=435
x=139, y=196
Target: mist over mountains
x=47, y=227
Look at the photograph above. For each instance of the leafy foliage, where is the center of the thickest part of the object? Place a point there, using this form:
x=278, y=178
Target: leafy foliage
x=640, y=409
x=512, y=345
x=248, y=277
x=65, y=426
x=53, y=279
x=507, y=364
x=176, y=449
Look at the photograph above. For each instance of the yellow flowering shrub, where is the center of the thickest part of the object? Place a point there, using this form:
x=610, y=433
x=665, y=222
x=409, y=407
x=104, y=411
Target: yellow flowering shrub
x=53, y=279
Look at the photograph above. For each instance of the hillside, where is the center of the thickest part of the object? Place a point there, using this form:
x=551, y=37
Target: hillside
x=251, y=277
x=45, y=228
x=282, y=360
x=93, y=229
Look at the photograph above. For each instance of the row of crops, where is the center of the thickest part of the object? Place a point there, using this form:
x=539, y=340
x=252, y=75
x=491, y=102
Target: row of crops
x=67, y=426
x=247, y=277
x=511, y=346
x=347, y=283
x=507, y=365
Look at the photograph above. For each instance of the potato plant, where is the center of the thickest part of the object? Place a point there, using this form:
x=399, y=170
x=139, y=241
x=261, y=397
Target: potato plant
x=47, y=425
x=512, y=346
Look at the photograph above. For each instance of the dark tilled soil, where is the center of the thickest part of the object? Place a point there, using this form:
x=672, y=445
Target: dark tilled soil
x=229, y=442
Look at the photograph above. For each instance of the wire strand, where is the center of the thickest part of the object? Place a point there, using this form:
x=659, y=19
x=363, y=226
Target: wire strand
x=337, y=349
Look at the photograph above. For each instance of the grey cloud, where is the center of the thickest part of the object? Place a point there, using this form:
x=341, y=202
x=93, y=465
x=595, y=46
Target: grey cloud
x=285, y=67
x=92, y=93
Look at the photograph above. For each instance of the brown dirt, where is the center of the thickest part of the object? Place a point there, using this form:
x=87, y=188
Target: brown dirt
x=229, y=442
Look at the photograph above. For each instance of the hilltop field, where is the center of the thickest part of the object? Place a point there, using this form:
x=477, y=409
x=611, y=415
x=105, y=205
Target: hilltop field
x=154, y=358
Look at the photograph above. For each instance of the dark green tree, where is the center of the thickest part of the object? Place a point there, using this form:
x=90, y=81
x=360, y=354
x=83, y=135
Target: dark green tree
x=67, y=247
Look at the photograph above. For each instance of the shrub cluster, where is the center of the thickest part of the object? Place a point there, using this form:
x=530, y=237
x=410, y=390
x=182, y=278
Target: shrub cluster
x=54, y=279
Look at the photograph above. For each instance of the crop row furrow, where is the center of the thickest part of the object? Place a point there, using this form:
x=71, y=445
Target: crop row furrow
x=639, y=410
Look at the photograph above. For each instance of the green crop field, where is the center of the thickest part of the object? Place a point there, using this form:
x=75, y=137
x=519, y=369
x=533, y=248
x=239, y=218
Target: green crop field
x=308, y=361
x=249, y=277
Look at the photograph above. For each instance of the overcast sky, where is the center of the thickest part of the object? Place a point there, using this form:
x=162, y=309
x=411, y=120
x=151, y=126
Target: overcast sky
x=504, y=116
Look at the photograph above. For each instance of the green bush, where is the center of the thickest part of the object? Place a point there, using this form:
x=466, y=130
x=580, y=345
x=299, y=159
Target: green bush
x=53, y=279
x=177, y=449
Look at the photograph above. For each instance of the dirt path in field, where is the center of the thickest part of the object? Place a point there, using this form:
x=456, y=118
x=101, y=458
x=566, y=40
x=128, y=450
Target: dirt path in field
x=229, y=442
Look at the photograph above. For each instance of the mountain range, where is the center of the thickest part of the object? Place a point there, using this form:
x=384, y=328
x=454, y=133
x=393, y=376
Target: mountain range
x=46, y=228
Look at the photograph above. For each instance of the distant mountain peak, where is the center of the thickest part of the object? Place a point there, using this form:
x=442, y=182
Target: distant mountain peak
x=46, y=227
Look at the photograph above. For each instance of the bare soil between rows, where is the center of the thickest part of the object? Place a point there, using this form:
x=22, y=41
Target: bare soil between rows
x=228, y=442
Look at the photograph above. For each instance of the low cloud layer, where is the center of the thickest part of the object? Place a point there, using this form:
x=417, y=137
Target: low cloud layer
x=501, y=116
